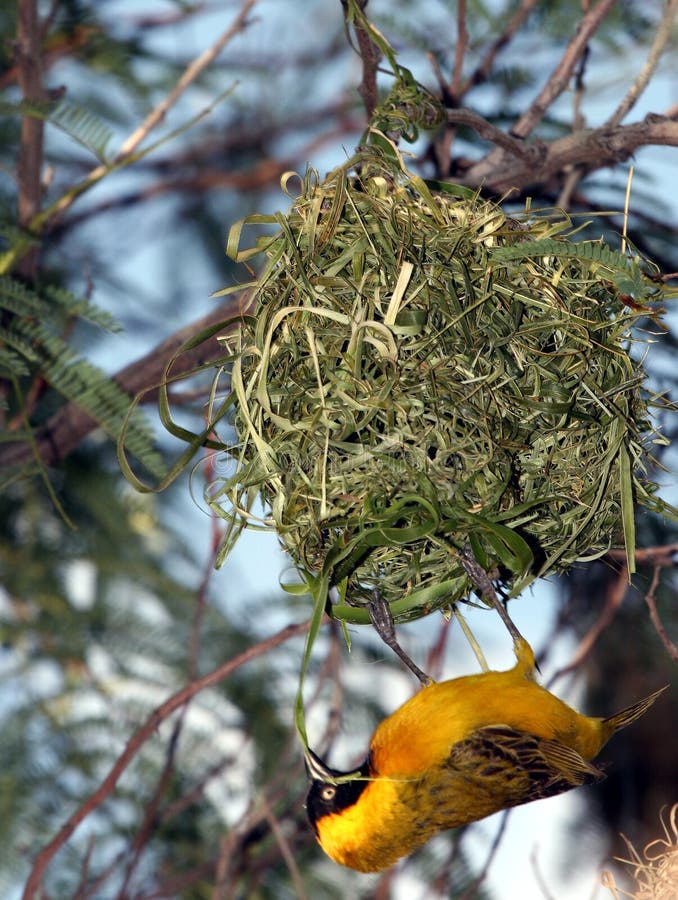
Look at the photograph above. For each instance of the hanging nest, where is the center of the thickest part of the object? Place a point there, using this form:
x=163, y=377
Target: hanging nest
x=423, y=375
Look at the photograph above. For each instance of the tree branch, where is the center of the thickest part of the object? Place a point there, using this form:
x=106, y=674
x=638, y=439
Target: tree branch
x=651, y=600
x=661, y=38
x=483, y=69
x=561, y=75
x=489, y=132
x=370, y=56
x=553, y=88
x=459, y=50
x=28, y=53
x=71, y=424
x=139, y=739
x=615, y=595
x=589, y=148
x=154, y=118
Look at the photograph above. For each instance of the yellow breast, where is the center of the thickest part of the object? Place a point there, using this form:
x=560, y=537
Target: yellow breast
x=390, y=820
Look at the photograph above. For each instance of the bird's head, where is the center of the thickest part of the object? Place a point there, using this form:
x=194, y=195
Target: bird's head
x=331, y=790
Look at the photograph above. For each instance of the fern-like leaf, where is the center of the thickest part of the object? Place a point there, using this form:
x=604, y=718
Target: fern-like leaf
x=81, y=125
x=592, y=251
x=12, y=364
x=55, y=305
x=73, y=306
x=623, y=271
x=32, y=343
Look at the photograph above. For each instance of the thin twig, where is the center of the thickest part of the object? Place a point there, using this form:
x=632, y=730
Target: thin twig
x=576, y=173
x=560, y=76
x=436, y=653
x=572, y=179
x=137, y=741
x=488, y=168
x=197, y=792
x=437, y=71
x=285, y=850
x=490, y=132
x=453, y=93
x=191, y=73
x=232, y=863
x=661, y=555
x=651, y=601
x=460, y=49
x=615, y=596
x=158, y=113
x=442, y=885
x=174, y=809
x=254, y=855
x=383, y=890
x=150, y=818
x=483, y=69
x=84, y=885
x=472, y=889
x=370, y=55
x=539, y=877
x=196, y=172
x=661, y=38
x=182, y=883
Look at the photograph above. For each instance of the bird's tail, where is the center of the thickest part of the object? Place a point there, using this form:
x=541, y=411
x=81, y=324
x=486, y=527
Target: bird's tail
x=631, y=713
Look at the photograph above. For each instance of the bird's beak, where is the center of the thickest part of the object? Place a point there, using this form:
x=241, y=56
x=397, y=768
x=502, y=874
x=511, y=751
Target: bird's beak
x=317, y=769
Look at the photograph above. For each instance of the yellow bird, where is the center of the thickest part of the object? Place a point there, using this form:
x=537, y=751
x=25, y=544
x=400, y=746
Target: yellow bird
x=456, y=752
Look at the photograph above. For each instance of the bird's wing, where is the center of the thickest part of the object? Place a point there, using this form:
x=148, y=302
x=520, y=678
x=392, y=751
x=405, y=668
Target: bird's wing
x=494, y=768
x=519, y=767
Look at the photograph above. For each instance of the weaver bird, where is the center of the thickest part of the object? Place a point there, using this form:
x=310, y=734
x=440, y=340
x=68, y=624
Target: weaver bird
x=456, y=752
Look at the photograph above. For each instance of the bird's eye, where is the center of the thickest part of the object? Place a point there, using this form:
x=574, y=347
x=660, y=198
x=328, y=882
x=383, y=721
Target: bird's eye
x=328, y=792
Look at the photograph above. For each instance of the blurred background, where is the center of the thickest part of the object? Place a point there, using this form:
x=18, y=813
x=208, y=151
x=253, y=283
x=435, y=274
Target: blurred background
x=110, y=601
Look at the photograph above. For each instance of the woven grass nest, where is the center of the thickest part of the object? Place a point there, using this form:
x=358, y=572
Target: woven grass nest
x=423, y=375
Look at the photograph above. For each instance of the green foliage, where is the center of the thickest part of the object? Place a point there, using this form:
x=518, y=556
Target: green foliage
x=82, y=126
x=34, y=346
x=79, y=124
